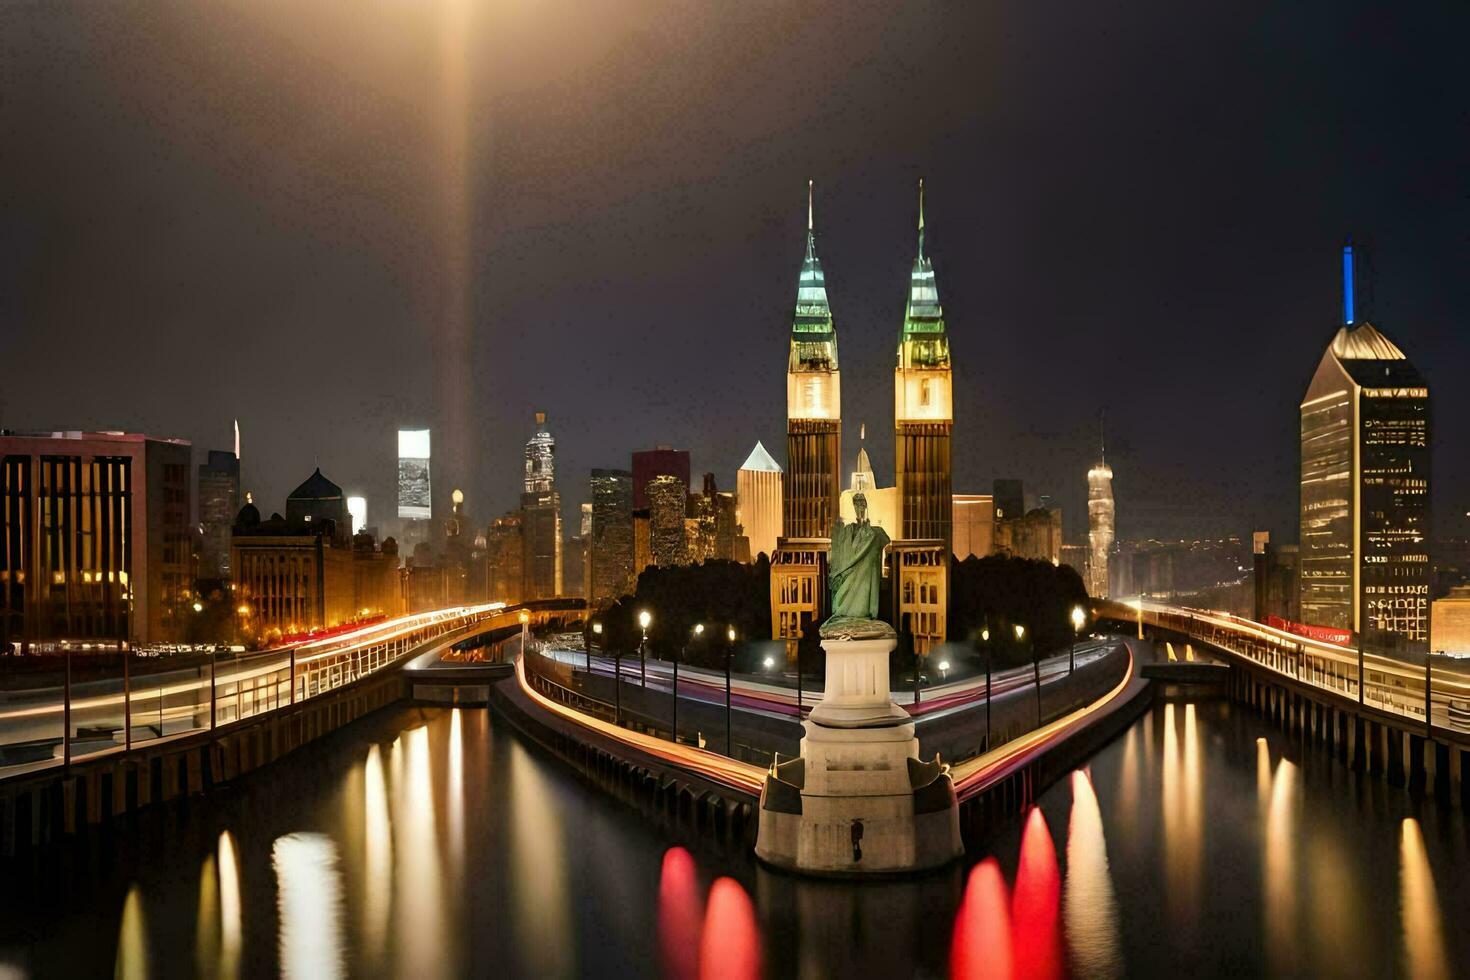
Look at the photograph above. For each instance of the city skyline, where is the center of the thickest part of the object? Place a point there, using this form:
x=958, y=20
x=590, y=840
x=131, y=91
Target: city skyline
x=1117, y=265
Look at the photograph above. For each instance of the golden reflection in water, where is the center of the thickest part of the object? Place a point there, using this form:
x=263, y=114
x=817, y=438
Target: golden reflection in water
x=206, y=932
x=1181, y=817
x=132, y=939
x=455, y=804
x=541, y=902
x=1335, y=906
x=1263, y=774
x=1424, y=949
x=1089, y=906
x=419, y=879
x=230, y=924
x=377, y=856
x=1279, y=873
x=1128, y=779
x=308, y=906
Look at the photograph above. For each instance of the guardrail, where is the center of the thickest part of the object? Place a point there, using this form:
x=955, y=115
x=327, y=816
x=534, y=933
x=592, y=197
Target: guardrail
x=1428, y=690
x=57, y=721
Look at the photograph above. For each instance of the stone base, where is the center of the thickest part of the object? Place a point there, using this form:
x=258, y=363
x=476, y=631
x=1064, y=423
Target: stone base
x=858, y=801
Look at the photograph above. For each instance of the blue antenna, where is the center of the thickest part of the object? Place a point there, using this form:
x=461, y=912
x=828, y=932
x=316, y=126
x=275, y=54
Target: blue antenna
x=1347, y=284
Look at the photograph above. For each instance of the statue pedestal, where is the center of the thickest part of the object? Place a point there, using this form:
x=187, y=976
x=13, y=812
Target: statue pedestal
x=858, y=800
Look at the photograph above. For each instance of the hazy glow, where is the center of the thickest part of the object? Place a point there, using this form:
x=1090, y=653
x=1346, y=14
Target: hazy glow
x=378, y=859
x=1424, y=949
x=308, y=906
x=1089, y=906
x=132, y=939
x=730, y=948
x=1279, y=874
x=680, y=910
x=981, y=944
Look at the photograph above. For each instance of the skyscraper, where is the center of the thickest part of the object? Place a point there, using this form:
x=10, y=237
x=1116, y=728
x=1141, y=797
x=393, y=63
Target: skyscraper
x=660, y=461
x=611, y=542
x=1364, y=557
x=923, y=408
x=541, y=552
x=813, y=405
x=219, y=502
x=668, y=500
x=758, y=487
x=1100, y=526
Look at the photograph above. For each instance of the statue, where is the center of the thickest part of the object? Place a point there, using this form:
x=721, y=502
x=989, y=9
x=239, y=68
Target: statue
x=854, y=575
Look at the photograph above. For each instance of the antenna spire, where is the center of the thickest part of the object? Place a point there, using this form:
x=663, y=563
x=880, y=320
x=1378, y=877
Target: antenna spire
x=1348, y=285
x=921, y=217
x=1102, y=442
x=809, y=206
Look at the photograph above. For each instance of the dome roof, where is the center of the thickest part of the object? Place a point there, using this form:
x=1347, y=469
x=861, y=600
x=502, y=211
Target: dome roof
x=316, y=487
x=249, y=516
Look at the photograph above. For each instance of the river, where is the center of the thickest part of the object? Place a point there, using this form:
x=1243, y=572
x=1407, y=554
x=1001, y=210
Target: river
x=428, y=842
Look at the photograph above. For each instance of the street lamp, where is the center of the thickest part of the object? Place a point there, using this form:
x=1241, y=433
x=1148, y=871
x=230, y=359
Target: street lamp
x=1035, y=669
x=985, y=638
x=643, y=620
x=943, y=670
x=697, y=632
x=729, y=651
x=1078, y=618
x=525, y=627
x=597, y=632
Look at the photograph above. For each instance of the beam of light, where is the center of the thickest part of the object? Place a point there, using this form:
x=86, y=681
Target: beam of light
x=230, y=924
x=419, y=896
x=451, y=308
x=1089, y=905
x=1424, y=950
x=378, y=856
x=541, y=903
x=308, y=906
x=132, y=940
x=1279, y=874
x=730, y=947
x=1034, y=906
x=680, y=912
x=981, y=944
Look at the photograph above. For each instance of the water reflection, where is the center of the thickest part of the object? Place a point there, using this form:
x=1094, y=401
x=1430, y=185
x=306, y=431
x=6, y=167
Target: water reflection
x=1182, y=789
x=1090, y=907
x=1279, y=878
x=217, y=936
x=1424, y=950
x=308, y=906
x=1035, y=904
x=377, y=855
x=206, y=933
x=730, y=948
x=680, y=910
x=981, y=944
x=540, y=900
x=455, y=802
x=419, y=893
x=132, y=939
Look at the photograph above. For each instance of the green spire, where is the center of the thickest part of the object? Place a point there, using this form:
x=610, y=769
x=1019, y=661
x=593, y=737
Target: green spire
x=923, y=339
x=813, y=340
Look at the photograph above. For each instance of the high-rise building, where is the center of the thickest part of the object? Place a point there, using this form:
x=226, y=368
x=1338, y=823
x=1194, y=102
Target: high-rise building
x=219, y=502
x=660, y=461
x=319, y=500
x=541, y=561
x=813, y=405
x=923, y=419
x=610, y=545
x=668, y=500
x=923, y=409
x=1365, y=488
x=94, y=538
x=504, y=555
x=1010, y=498
x=1037, y=535
x=1100, y=526
x=758, y=492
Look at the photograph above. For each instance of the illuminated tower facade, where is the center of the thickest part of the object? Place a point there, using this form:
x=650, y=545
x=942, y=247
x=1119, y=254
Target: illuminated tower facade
x=813, y=405
x=923, y=416
x=1365, y=488
x=540, y=517
x=923, y=409
x=1100, y=526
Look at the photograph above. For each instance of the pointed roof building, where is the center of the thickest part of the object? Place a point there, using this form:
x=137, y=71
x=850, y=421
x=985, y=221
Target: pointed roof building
x=760, y=460
x=813, y=334
x=923, y=342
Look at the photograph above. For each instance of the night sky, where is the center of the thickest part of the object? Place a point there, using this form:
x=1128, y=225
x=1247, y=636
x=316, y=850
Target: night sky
x=331, y=219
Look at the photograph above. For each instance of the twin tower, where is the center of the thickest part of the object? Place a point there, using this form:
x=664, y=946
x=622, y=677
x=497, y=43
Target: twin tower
x=923, y=418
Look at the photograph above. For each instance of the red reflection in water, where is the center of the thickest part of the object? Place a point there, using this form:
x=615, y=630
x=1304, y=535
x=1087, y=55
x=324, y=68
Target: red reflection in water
x=680, y=909
x=731, y=946
x=1034, y=909
x=981, y=946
